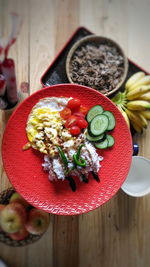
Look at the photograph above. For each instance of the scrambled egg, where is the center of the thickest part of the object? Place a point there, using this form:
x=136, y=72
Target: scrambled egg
x=43, y=118
x=45, y=127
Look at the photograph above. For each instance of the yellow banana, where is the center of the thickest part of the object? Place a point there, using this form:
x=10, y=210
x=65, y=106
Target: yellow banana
x=134, y=117
x=146, y=114
x=125, y=116
x=143, y=120
x=145, y=96
x=139, y=90
x=136, y=127
x=138, y=105
x=133, y=79
x=144, y=81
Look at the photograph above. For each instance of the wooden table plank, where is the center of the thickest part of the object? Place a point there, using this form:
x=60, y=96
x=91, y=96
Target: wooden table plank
x=66, y=21
x=42, y=41
x=65, y=241
x=138, y=37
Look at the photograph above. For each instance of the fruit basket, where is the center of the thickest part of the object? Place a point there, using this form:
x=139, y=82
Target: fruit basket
x=4, y=238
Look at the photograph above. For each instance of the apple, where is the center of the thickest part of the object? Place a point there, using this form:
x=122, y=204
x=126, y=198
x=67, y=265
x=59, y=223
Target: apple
x=19, y=199
x=37, y=222
x=12, y=217
x=2, y=206
x=20, y=235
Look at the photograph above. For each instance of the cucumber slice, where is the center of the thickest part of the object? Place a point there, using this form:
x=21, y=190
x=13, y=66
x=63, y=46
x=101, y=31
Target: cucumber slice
x=94, y=138
x=102, y=145
x=99, y=124
x=96, y=110
x=111, y=118
x=110, y=140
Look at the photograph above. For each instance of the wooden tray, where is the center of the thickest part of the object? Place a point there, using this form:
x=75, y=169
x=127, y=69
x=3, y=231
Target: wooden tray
x=56, y=72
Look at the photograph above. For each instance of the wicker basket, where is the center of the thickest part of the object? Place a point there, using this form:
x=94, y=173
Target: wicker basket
x=4, y=238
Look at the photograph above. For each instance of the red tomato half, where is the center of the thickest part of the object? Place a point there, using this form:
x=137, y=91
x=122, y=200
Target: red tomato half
x=75, y=130
x=71, y=121
x=65, y=113
x=74, y=103
x=83, y=109
x=79, y=114
x=82, y=123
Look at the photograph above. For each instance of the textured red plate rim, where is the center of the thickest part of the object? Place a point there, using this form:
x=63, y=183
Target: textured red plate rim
x=98, y=202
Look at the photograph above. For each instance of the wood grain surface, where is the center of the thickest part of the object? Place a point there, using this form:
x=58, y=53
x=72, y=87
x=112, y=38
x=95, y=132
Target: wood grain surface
x=118, y=233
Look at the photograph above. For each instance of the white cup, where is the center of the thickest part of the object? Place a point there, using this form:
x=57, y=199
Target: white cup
x=137, y=183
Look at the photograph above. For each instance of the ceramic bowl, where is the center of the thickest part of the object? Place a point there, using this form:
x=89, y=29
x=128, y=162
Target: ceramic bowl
x=97, y=40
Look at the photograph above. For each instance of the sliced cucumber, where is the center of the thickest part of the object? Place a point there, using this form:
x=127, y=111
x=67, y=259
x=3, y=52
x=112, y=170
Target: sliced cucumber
x=111, y=118
x=110, y=140
x=99, y=125
x=96, y=110
x=94, y=138
x=107, y=142
x=102, y=145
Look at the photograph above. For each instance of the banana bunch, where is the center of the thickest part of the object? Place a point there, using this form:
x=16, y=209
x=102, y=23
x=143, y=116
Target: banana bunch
x=134, y=102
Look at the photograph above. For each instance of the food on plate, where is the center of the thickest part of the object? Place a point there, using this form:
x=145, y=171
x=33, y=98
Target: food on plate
x=12, y=217
x=98, y=66
x=100, y=122
x=134, y=102
x=68, y=133
x=19, y=219
x=38, y=222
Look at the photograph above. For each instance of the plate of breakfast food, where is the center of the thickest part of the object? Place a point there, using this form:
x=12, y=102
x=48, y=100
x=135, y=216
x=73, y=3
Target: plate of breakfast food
x=67, y=149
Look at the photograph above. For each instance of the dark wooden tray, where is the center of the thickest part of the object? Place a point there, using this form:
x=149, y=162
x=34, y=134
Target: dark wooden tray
x=56, y=72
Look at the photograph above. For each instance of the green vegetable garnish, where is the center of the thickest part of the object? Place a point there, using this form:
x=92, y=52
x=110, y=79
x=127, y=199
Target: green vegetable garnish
x=79, y=162
x=79, y=150
x=77, y=159
x=63, y=157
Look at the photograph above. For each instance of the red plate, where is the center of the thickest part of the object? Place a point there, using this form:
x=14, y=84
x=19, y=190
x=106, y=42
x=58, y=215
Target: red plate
x=24, y=167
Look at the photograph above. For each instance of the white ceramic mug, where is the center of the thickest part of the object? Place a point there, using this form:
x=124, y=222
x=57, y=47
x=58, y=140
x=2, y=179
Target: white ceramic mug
x=137, y=183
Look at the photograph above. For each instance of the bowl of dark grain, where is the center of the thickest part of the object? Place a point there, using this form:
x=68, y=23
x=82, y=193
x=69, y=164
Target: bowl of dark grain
x=97, y=62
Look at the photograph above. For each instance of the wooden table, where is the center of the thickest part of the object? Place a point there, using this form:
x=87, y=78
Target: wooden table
x=118, y=233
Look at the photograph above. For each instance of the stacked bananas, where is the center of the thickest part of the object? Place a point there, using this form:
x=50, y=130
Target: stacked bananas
x=134, y=102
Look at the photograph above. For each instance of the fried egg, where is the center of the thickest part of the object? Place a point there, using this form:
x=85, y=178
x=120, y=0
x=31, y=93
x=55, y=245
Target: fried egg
x=44, y=123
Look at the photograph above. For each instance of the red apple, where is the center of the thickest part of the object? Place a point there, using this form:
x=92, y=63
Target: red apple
x=2, y=206
x=12, y=217
x=19, y=199
x=37, y=222
x=20, y=235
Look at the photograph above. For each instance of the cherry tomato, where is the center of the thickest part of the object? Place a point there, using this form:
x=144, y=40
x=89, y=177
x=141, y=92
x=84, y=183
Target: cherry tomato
x=83, y=109
x=65, y=113
x=75, y=130
x=79, y=114
x=82, y=123
x=71, y=121
x=74, y=103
